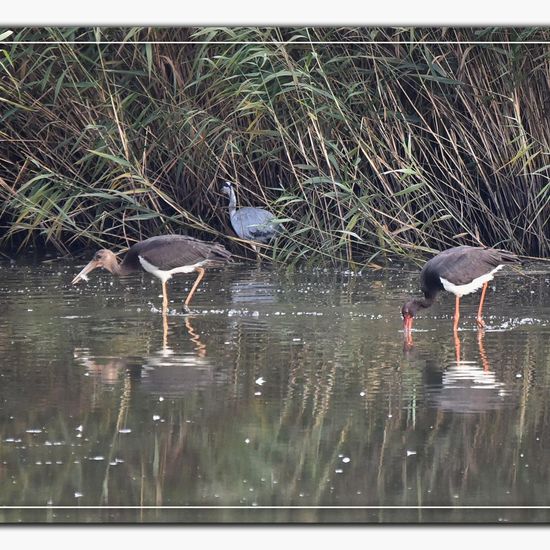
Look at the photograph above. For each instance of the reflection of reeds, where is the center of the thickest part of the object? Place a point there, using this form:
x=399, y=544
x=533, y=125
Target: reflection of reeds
x=121, y=421
x=311, y=410
x=361, y=149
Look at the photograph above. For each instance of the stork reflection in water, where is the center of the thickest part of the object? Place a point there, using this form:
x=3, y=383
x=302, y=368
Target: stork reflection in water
x=162, y=369
x=461, y=380
x=408, y=345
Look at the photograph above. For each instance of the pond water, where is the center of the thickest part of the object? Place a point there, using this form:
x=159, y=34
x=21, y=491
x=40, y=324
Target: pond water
x=281, y=397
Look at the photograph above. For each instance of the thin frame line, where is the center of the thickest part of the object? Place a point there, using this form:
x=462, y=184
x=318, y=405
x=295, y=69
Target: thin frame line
x=267, y=507
x=277, y=42
x=282, y=507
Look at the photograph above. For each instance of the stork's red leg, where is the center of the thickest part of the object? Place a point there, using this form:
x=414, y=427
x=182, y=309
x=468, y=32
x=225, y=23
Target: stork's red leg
x=457, y=313
x=479, y=319
x=194, y=287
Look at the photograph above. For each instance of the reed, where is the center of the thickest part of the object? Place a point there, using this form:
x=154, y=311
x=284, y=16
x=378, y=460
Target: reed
x=394, y=147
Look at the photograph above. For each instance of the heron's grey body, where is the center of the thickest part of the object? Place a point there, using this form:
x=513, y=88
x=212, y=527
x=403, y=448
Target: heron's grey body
x=253, y=224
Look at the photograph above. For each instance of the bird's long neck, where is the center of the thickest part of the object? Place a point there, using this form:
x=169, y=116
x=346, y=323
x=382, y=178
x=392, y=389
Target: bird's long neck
x=423, y=303
x=117, y=268
x=232, y=202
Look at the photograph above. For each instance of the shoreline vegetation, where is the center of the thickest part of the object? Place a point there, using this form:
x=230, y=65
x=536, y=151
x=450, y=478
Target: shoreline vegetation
x=364, y=142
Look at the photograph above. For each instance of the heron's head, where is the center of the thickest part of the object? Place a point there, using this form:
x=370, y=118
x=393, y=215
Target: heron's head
x=102, y=258
x=226, y=187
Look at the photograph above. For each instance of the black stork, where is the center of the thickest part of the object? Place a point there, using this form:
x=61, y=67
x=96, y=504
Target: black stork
x=460, y=270
x=163, y=257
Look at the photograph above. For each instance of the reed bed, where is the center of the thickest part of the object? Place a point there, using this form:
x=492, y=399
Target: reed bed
x=417, y=140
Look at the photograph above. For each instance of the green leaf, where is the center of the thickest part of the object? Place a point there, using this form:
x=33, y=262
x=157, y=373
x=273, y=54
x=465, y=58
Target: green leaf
x=113, y=158
x=411, y=189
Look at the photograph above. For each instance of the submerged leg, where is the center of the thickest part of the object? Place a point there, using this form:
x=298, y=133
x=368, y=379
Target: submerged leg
x=164, y=332
x=257, y=252
x=194, y=287
x=408, y=341
x=164, y=298
x=457, y=313
x=482, y=354
x=201, y=348
x=457, y=346
x=479, y=319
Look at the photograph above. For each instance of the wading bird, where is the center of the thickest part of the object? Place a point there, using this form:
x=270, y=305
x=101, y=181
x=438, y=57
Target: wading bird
x=252, y=224
x=163, y=257
x=460, y=270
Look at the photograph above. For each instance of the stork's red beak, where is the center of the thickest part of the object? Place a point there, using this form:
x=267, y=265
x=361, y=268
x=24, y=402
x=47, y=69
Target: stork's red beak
x=407, y=323
x=94, y=264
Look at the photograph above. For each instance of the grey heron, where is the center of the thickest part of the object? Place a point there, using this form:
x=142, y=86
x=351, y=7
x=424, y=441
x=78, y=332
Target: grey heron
x=252, y=224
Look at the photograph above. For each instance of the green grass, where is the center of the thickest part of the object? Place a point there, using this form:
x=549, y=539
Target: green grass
x=364, y=150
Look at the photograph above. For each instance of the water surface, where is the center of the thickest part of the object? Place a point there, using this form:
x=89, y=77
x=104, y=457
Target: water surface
x=281, y=397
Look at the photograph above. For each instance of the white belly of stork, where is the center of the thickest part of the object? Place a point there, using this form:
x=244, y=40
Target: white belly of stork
x=468, y=288
x=166, y=275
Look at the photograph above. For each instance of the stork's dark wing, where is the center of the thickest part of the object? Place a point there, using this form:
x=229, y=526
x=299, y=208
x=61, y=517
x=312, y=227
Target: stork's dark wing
x=171, y=251
x=463, y=264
